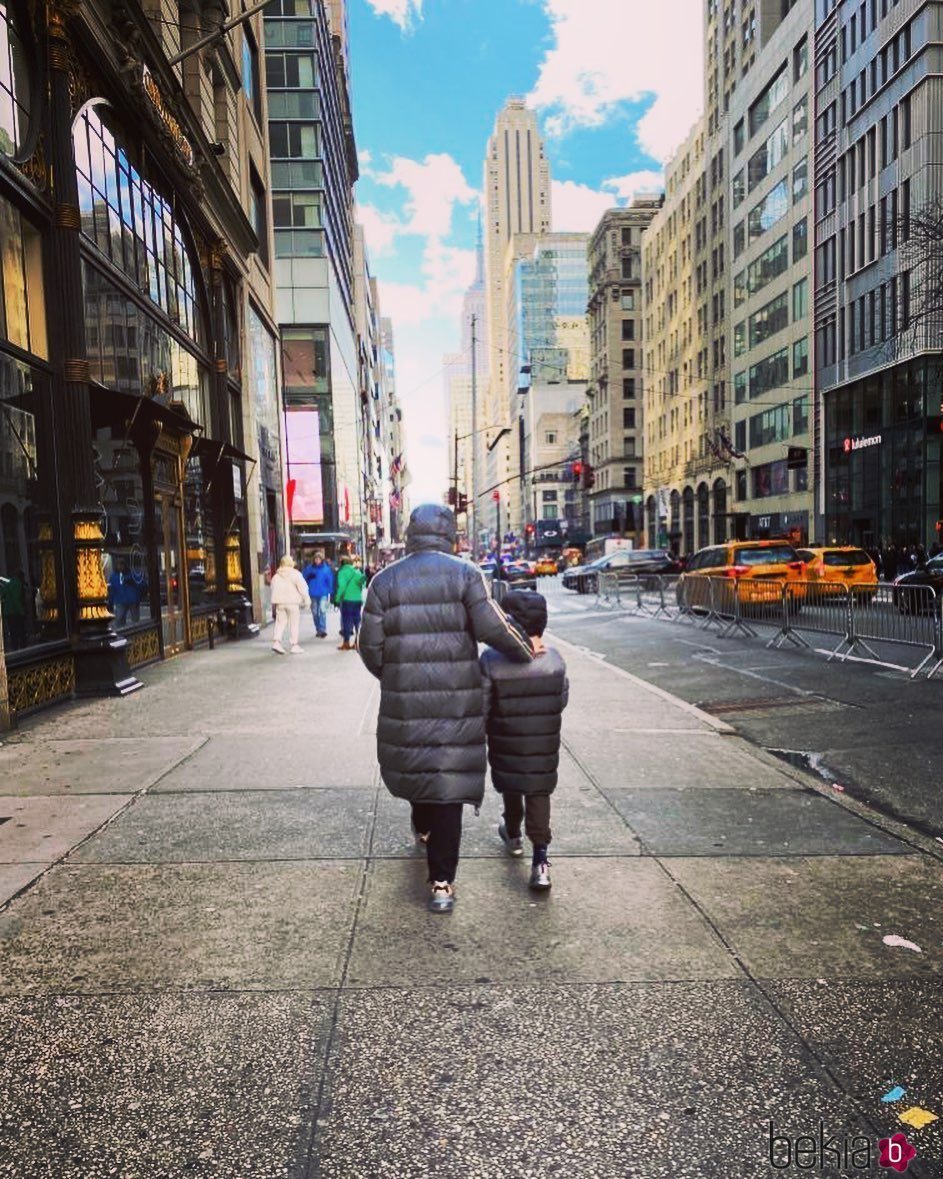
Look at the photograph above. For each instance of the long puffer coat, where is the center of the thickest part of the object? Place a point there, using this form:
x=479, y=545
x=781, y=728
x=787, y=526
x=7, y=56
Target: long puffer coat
x=422, y=623
x=524, y=707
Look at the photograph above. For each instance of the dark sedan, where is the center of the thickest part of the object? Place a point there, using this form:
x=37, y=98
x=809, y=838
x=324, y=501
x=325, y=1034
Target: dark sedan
x=625, y=561
x=922, y=590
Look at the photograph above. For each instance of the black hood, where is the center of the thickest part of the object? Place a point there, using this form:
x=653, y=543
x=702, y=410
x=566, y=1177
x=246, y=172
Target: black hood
x=431, y=529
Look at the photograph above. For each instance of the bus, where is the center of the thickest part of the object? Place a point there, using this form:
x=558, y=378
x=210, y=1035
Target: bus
x=602, y=546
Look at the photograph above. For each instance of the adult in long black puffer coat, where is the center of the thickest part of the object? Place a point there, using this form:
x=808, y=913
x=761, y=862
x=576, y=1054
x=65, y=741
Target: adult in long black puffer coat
x=423, y=620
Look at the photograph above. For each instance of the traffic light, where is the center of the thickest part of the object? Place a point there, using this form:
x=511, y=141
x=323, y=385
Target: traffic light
x=589, y=477
x=462, y=505
x=529, y=529
x=452, y=496
x=577, y=471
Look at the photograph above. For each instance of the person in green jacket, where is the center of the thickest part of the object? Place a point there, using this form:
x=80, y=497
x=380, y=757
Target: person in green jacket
x=348, y=594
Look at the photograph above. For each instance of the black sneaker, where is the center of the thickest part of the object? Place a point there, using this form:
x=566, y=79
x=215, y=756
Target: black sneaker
x=514, y=844
x=540, y=876
x=442, y=899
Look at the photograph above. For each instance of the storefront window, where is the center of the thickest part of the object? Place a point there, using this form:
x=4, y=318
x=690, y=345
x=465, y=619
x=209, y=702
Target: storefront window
x=264, y=378
x=133, y=225
x=28, y=568
x=22, y=313
x=14, y=87
x=197, y=516
x=117, y=467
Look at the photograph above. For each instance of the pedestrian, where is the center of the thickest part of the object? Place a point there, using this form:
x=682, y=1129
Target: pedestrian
x=289, y=594
x=524, y=704
x=424, y=618
x=348, y=594
x=320, y=578
x=124, y=595
x=13, y=600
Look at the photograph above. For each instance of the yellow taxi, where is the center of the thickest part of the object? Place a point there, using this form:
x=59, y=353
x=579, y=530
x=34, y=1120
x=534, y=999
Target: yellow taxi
x=830, y=568
x=753, y=572
x=546, y=567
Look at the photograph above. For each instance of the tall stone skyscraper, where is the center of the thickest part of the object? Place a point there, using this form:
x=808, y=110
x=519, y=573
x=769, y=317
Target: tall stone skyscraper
x=517, y=203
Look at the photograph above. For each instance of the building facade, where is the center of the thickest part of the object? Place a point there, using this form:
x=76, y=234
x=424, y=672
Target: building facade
x=878, y=104
x=136, y=342
x=769, y=289
x=517, y=202
x=314, y=167
x=397, y=495
x=616, y=424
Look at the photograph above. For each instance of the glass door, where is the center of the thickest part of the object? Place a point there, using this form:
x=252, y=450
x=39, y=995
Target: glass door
x=174, y=610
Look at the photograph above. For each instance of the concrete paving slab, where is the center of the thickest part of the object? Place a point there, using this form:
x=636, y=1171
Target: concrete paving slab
x=87, y=928
x=876, y=1036
x=695, y=822
x=276, y=763
x=822, y=917
x=159, y=1086
x=647, y=1081
x=89, y=765
x=45, y=828
x=583, y=824
x=606, y=920
x=618, y=760
x=13, y=877
x=242, y=825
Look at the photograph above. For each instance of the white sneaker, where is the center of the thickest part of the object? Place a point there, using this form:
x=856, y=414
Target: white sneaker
x=278, y=648
x=296, y=650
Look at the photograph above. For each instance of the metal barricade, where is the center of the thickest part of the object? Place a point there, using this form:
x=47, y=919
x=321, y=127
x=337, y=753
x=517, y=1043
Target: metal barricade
x=815, y=608
x=731, y=599
x=607, y=588
x=909, y=615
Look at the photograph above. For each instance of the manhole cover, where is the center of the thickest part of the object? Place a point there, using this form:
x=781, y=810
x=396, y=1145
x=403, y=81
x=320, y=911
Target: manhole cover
x=749, y=705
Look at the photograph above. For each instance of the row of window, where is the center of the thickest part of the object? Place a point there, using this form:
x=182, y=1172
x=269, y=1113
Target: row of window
x=778, y=424
x=771, y=372
x=772, y=97
x=771, y=318
x=882, y=68
x=773, y=262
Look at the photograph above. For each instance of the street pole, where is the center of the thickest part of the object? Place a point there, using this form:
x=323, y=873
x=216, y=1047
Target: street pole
x=473, y=500
x=455, y=480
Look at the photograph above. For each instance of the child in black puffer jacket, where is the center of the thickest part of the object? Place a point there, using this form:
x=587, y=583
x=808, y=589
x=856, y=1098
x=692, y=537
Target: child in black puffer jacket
x=524, y=705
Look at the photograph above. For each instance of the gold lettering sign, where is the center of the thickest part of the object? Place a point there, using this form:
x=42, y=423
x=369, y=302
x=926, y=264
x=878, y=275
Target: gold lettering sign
x=182, y=144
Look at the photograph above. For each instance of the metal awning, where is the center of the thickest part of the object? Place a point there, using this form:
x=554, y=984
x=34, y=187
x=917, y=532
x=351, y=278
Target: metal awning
x=131, y=410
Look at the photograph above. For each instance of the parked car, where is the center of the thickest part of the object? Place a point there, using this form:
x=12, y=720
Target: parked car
x=837, y=566
x=546, y=567
x=913, y=592
x=518, y=574
x=584, y=578
x=756, y=569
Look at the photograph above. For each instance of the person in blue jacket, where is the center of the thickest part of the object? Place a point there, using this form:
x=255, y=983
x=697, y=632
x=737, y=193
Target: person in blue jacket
x=320, y=578
x=124, y=595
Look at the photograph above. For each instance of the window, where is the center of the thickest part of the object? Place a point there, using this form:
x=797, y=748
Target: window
x=800, y=118
x=626, y=236
x=738, y=138
x=628, y=300
x=769, y=320
x=629, y=477
x=739, y=388
x=739, y=189
x=294, y=140
x=22, y=314
x=285, y=34
x=769, y=265
x=800, y=179
x=769, y=373
x=628, y=419
x=294, y=104
x=627, y=267
x=770, y=479
x=775, y=92
x=904, y=123
x=303, y=174
x=800, y=357
x=628, y=358
x=250, y=73
x=771, y=209
x=772, y=425
x=740, y=436
x=290, y=70
x=800, y=414
x=739, y=338
x=301, y=210
x=628, y=388
x=800, y=59
x=800, y=300
x=739, y=239
x=257, y=214
x=800, y=240
x=768, y=156
x=628, y=329
x=14, y=86
x=550, y=438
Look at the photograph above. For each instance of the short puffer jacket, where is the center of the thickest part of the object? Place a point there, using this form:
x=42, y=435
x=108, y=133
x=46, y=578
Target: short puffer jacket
x=422, y=623
x=524, y=707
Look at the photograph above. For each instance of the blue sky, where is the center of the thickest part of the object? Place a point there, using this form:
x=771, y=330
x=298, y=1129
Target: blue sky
x=616, y=85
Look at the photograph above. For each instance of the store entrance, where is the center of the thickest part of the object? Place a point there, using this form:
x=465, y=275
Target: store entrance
x=171, y=566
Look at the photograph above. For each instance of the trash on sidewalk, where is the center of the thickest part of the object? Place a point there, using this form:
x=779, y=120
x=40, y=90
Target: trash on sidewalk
x=894, y=1094
x=893, y=939
x=917, y=1117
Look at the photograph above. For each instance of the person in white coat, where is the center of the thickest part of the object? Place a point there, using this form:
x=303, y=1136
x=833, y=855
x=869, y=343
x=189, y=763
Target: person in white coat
x=289, y=594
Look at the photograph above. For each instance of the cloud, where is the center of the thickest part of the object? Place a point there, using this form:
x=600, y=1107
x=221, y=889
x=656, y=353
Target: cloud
x=380, y=229
x=604, y=54
x=401, y=12
x=577, y=208
x=435, y=185
x=635, y=183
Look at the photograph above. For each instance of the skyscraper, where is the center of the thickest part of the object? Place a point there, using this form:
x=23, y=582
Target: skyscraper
x=517, y=203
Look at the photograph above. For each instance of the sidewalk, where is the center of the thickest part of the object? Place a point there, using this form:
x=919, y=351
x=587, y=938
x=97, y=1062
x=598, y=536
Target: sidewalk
x=223, y=966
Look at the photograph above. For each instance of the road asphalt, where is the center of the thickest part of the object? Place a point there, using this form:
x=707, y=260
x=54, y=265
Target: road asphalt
x=216, y=961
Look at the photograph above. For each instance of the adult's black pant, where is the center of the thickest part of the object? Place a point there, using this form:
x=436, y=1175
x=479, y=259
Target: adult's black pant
x=531, y=809
x=442, y=822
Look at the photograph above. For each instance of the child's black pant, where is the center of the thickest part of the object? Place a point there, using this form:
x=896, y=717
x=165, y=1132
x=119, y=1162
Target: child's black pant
x=534, y=810
x=442, y=822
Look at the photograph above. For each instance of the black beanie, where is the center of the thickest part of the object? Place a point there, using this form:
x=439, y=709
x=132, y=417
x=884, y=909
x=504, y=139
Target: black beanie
x=529, y=609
